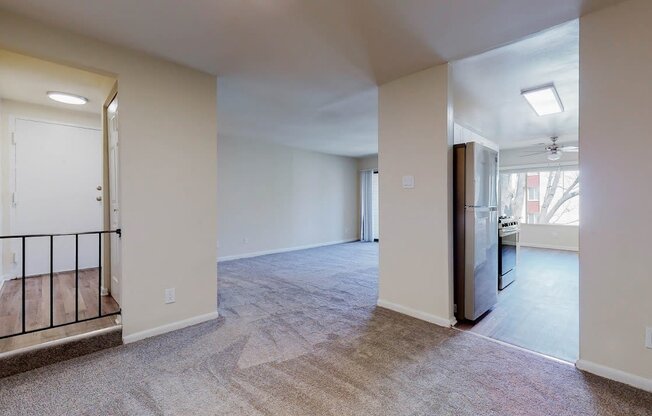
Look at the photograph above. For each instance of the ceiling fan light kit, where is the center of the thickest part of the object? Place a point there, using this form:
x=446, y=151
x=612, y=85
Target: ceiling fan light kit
x=554, y=151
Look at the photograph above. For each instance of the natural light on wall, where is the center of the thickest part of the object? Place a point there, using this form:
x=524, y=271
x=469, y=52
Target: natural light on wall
x=543, y=100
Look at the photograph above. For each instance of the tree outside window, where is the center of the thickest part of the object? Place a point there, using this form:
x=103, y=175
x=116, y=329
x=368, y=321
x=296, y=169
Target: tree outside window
x=541, y=197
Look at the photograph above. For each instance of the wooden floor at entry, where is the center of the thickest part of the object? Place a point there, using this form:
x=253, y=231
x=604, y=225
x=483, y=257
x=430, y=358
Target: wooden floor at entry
x=37, y=306
x=540, y=310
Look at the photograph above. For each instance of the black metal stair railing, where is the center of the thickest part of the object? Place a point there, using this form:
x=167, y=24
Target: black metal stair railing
x=23, y=238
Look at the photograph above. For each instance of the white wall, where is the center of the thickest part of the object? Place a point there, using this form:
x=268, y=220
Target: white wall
x=415, y=138
x=168, y=168
x=274, y=198
x=552, y=236
x=368, y=162
x=463, y=134
x=615, y=233
x=9, y=108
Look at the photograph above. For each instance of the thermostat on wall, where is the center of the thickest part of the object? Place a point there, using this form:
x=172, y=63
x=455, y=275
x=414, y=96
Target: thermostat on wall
x=408, y=182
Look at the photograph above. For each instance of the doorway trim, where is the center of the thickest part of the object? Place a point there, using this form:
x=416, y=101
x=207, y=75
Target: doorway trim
x=106, y=255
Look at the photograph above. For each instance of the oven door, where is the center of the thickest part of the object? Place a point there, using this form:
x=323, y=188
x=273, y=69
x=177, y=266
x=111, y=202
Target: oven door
x=508, y=252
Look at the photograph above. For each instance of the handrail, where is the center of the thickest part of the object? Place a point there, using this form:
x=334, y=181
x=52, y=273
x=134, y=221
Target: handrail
x=117, y=231
x=23, y=238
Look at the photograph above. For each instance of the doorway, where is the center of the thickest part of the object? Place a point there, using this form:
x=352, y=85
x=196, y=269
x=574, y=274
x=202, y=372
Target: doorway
x=522, y=102
x=55, y=246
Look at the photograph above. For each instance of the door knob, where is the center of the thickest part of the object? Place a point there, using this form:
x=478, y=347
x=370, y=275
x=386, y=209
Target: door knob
x=99, y=198
x=99, y=187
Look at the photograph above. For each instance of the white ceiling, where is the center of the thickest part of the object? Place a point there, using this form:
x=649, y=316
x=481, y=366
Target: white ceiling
x=28, y=79
x=304, y=73
x=487, y=88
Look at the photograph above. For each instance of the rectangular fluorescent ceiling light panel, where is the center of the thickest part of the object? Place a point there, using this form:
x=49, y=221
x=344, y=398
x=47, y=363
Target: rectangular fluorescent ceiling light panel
x=543, y=100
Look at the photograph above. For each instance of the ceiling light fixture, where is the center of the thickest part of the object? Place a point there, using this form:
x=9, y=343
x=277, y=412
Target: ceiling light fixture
x=64, y=97
x=544, y=100
x=554, y=155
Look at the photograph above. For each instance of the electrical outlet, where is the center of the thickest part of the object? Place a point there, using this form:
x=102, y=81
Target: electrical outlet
x=648, y=337
x=170, y=296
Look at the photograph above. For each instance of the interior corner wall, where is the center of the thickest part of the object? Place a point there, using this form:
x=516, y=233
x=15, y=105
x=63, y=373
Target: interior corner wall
x=168, y=173
x=415, y=138
x=615, y=125
x=275, y=198
x=368, y=162
x=8, y=109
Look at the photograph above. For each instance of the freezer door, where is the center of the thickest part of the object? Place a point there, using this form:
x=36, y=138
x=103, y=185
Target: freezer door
x=481, y=268
x=481, y=176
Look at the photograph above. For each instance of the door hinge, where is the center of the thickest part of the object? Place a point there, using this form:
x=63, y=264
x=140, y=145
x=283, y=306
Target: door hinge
x=13, y=138
x=13, y=199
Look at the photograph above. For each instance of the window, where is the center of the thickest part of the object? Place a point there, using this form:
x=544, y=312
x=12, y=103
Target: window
x=541, y=197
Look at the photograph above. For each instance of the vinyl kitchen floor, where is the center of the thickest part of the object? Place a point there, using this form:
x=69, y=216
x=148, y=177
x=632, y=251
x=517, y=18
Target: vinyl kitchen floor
x=540, y=310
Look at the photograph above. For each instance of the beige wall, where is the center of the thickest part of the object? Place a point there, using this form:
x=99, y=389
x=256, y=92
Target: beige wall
x=615, y=122
x=168, y=167
x=274, y=198
x=415, y=138
x=8, y=109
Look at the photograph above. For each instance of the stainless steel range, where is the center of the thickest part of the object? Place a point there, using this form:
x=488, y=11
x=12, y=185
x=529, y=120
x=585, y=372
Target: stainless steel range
x=508, y=246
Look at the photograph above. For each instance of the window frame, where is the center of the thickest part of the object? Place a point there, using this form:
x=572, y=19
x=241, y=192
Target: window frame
x=526, y=170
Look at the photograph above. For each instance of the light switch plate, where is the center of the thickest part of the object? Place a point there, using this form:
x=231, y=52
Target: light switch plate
x=408, y=182
x=170, y=295
x=648, y=337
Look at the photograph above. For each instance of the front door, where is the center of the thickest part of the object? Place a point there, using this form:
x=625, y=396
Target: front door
x=56, y=189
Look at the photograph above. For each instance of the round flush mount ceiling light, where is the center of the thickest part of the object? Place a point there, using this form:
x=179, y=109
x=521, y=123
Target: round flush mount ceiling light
x=64, y=97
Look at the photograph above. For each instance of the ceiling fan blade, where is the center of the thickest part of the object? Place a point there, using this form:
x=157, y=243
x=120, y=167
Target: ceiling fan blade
x=569, y=149
x=543, y=152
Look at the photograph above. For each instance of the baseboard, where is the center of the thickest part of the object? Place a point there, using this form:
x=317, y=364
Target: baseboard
x=550, y=246
x=616, y=375
x=169, y=327
x=433, y=319
x=283, y=250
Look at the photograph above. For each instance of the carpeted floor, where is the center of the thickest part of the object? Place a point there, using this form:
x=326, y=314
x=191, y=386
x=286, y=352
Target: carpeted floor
x=299, y=334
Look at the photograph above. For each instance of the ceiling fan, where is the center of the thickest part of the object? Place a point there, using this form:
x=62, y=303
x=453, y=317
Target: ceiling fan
x=554, y=150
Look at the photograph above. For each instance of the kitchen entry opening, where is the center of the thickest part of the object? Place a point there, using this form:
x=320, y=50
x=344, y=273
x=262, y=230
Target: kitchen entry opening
x=518, y=193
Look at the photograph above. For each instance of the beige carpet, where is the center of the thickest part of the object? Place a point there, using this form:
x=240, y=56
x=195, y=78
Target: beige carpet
x=300, y=335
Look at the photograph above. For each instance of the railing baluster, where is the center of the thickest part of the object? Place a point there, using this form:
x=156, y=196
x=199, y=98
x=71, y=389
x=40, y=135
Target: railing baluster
x=24, y=297
x=51, y=281
x=99, y=276
x=76, y=277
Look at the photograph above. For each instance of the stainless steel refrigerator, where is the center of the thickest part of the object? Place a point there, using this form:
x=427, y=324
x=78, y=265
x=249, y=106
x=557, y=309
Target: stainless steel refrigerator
x=475, y=193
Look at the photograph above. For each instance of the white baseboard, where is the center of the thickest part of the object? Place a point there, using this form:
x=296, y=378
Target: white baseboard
x=169, y=327
x=613, y=374
x=433, y=319
x=283, y=250
x=550, y=246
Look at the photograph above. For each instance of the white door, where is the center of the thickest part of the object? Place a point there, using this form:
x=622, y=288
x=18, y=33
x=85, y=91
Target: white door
x=116, y=255
x=58, y=169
